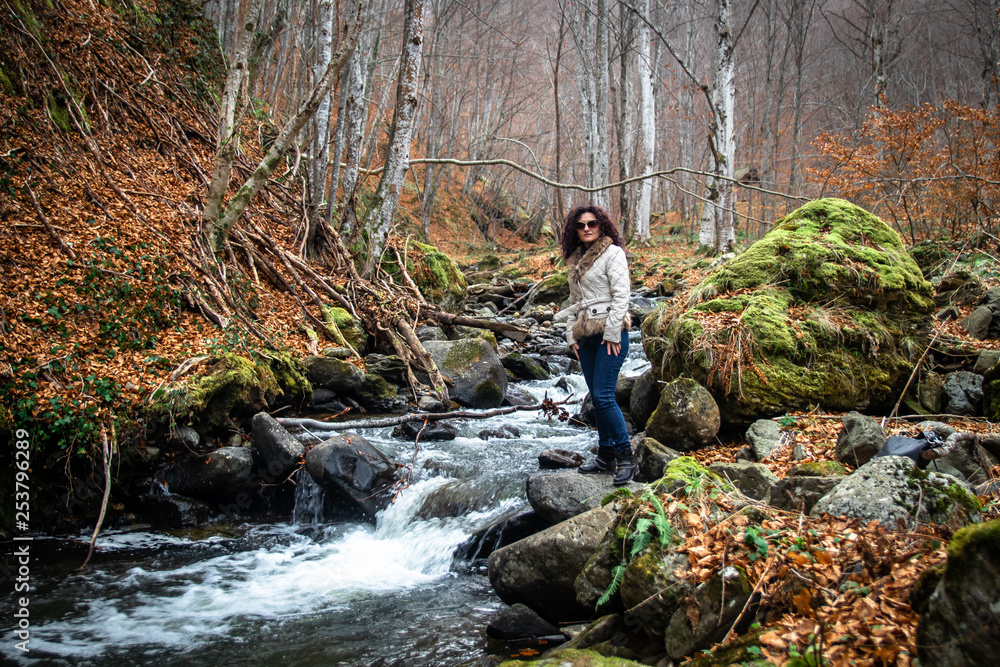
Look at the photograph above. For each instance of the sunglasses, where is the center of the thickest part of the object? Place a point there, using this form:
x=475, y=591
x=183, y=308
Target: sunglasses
x=588, y=223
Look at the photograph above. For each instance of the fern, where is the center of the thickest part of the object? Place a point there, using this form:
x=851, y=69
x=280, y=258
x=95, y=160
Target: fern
x=642, y=536
x=617, y=574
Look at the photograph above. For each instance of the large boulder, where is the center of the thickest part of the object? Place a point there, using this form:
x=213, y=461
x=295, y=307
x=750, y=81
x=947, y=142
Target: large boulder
x=357, y=477
x=652, y=457
x=554, y=289
x=958, y=626
x=337, y=375
x=519, y=622
x=686, y=418
x=643, y=399
x=218, y=476
x=540, y=571
x=963, y=393
x=472, y=364
x=754, y=479
x=825, y=309
x=805, y=484
x=435, y=274
x=560, y=496
x=894, y=492
x=763, y=436
x=280, y=451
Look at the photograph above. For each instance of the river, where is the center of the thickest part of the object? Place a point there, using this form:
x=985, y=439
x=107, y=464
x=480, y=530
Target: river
x=303, y=591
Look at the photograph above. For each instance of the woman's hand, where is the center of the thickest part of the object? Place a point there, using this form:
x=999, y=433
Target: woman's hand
x=613, y=348
x=575, y=349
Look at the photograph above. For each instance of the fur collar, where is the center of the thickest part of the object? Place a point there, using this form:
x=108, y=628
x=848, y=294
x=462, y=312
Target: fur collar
x=580, y=262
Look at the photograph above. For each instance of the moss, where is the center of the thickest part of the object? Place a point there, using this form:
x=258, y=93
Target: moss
x=375, y=388
x=5, y=83
x=437, y=277
x=343, y=328
x=289, y=377
x=464, y=353
x=941, y=501
x=985, y=535
x=722, y=306
x=925, y=586
x=576, y=658
x=688, y=471
x=58, y=113
x=818, y=469
x=488, y=392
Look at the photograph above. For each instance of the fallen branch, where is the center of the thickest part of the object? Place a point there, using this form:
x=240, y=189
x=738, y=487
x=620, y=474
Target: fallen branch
x=412, y=417
x=63, y=246
x=105, y=449
x=509, y=330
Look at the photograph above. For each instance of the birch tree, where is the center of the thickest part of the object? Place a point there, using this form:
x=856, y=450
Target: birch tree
x=589, y=25
x=647, y=127
x=717, y=222
x=379, y=218
x=216, y=227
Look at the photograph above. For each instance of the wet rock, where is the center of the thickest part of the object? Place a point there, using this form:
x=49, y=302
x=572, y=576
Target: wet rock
x=894, y=492
x=185, y=437
x=518, y=396
x=587, y=414
x=958, y=628
x=507, y=432
x=340, y=376
x=754, y=479
x=652, y=457
x=540, y=570
x=554, y=289
x=429, y=332
x=557, y=365
x=277, y=447
x=977, y=324
x=173, y=511
x=652, y=580
x=559, y=458
x=456, y=497
x=509, y=527
x=519, y=622
x=326, y=400
x=686, y=418
x=377, y=395
x=388, y=366
x=473, y=365
x=559, y=496
x=644, y=398
x=963, y=393
x=217, y=476
x=623, y=391
x=861, y=438
x=433, y=430
x=763, y=436
x=428, y=403
x=524, y=367
x=357, y=477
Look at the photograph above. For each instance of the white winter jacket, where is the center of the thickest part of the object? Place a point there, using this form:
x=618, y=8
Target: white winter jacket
x=598, y=292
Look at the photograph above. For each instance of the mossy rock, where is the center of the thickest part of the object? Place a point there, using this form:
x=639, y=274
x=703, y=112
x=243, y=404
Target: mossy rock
x=554, y=289
x=230, y=387
x=735, y=652
x=435, y=274
x=827, y=309
x=576, y=658
x=341, y=324
x=817, y=469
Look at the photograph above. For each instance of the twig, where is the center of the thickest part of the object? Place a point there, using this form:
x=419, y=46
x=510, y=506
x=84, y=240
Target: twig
x=48, y=226
x=105, y=450
x=916, y=369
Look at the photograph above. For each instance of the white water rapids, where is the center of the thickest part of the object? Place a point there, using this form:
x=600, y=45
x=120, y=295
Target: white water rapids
x=304, y=593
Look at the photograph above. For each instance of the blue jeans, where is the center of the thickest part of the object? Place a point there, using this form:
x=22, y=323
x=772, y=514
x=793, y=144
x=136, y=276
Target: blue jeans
x=600, y=370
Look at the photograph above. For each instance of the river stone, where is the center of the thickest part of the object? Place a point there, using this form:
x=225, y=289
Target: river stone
x=519, y=622
x=958, y=628
x=357, y=477
x=554, y=289
x=507, y=528
x=559, y=496
x=623, y=391
x=516, y=396
x=977, y=324
x=434, y=430
x=763, y=436
x=173, y=511
x=930, y=390
x=524, y=367
x=506, y=432
x=559, y=458
x=388, y=366
x=280, y=450
x=217, y=476
x=892, y=491
x=430, y=332
x=185, y=437
x=652, y=457
x=715, y=604
x=472, y=364
x=644, y=398
x=455, y=497
x=652, y=580
x=540, y=571
x=805, y=484
x=754, y=479
x=986, y=360
x=963, y=393
x=686, y=418
x=336, y=374
x=861, y=438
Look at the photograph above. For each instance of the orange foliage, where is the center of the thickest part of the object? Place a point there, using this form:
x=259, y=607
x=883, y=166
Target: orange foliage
x=927, y=170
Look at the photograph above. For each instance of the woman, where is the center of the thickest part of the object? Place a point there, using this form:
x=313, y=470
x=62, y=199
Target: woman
x=596, y=317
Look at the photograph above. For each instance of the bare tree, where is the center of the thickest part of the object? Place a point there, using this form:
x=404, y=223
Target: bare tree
x=589, y=25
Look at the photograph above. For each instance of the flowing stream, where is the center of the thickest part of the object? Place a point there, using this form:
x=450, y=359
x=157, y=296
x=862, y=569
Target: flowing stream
x=304, y=592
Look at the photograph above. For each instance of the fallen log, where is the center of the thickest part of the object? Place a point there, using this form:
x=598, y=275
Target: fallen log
x=549, y=407
x=509, y=330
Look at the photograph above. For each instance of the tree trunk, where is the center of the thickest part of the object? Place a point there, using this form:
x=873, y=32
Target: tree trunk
x=590, y=34
x=218, y=231
x=717, y=218
x=378, y=221
x=319, y=151
x=647, y=129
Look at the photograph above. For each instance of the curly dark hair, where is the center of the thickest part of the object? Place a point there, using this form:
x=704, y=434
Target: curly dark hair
x=571, y=241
